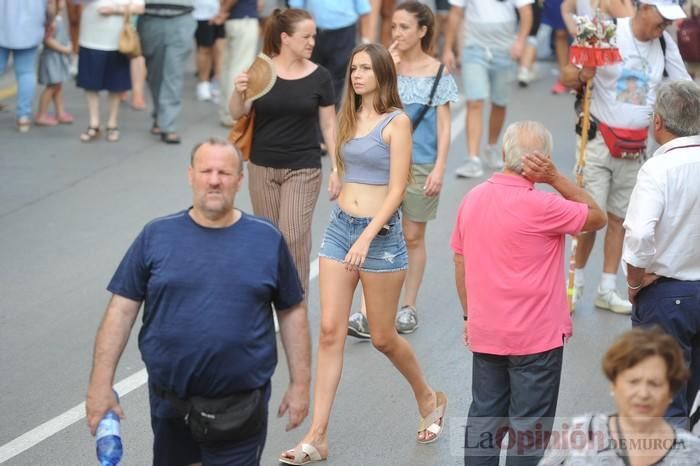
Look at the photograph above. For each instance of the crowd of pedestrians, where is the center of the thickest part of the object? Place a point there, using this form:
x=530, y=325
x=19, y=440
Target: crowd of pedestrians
x=380, y=112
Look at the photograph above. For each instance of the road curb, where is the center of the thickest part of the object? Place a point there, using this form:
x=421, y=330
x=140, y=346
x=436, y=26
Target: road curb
x=7, y=92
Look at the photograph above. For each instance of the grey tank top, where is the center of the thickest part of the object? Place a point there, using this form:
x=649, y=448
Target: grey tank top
x=366, y=158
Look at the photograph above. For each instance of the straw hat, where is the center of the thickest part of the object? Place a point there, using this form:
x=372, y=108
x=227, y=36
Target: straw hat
x=261, y=77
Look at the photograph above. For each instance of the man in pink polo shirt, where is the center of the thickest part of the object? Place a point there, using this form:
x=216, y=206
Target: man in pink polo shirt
x=508, y=248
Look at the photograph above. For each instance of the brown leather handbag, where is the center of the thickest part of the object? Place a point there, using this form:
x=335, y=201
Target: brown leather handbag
x=129, y=43
x=242, y=133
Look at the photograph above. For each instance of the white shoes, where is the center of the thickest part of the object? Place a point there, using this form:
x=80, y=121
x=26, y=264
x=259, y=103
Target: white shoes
x=525, y=76
x=203, y=91
x=493, y=158
x=609, y=299
x=215, y=91
x=471, y=169
x=576, y=298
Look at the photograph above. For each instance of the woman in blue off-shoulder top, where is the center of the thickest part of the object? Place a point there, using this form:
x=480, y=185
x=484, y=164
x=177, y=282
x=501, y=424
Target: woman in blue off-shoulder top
x=426, y=90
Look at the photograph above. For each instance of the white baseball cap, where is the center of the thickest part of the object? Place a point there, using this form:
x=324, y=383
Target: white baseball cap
x=669, y=9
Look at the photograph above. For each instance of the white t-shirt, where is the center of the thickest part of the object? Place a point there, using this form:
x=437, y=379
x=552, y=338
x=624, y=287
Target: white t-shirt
x=584, y=8
x=205, y=9
x=623, y=94
x=490, y=23
x=100, y=32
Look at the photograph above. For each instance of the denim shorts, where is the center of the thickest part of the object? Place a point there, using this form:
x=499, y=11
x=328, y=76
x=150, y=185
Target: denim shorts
x=387, y=253
x=487, y=74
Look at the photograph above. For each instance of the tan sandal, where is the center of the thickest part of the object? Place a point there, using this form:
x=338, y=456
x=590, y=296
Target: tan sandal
x=434, y=422
x=92, y=133
x=304, y=453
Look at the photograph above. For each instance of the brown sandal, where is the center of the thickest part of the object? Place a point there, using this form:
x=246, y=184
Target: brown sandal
x=112, y=134
x=92, y=133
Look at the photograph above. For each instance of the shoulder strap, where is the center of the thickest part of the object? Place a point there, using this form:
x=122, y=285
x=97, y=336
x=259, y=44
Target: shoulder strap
x=662, y=41
x=425, y=108
x=380, y=127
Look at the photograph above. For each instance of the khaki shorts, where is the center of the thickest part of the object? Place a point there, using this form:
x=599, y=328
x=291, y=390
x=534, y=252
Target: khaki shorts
x=416, y=206
x=608, y=179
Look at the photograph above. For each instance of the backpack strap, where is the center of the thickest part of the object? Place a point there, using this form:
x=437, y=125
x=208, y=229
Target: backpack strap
x=662, y=41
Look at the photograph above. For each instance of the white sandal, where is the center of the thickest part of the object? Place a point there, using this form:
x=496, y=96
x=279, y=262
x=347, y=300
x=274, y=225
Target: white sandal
x=304, y=453
x=434, y=422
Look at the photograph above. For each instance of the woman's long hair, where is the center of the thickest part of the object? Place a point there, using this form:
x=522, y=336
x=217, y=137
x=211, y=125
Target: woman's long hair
x=278, y=22
x=386, y=100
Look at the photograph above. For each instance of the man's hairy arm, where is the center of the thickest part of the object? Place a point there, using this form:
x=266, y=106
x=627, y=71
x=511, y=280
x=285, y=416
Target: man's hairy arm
x=110, y=341
x=296, y=340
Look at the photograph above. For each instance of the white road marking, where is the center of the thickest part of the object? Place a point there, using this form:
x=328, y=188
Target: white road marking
x=62, y=421
x=51, y=427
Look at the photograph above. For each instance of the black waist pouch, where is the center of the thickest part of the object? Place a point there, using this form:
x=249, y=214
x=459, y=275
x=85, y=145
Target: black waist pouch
x=219, y=421
x=230, y=419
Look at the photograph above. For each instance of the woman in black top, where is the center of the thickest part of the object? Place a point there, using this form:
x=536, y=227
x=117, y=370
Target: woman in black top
x=285, y=160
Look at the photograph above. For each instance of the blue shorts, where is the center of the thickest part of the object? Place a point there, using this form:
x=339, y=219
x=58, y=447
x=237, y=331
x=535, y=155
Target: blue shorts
x=387, y=252
x=487, y=73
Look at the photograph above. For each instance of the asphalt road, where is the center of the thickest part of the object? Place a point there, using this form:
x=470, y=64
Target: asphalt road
x=69, y=211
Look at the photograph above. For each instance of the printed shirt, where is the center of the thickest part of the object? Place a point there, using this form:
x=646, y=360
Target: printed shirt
x=623, y=94
x=663, y=219
x=512, y=238
x=587, y=441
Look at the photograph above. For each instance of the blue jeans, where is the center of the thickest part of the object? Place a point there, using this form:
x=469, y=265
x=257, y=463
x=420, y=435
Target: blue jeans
x=515, y=394
x=387, y=251
x=24, y=61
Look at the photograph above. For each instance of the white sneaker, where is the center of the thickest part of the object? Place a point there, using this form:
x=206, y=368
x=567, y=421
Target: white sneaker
x=576, y=298
x=609, y=299
x=471, y=169
x=73, y=66
x=493, y=158
x=215, y=92
x=525, y=76
x=203, y=91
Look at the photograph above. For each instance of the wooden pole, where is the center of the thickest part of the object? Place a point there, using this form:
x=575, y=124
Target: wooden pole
x=580, y=163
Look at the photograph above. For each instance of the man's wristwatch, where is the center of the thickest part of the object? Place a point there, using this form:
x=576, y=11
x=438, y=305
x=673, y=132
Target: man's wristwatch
x=465, y=318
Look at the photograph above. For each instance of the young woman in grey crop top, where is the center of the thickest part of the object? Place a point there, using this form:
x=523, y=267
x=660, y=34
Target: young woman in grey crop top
x=364, y=242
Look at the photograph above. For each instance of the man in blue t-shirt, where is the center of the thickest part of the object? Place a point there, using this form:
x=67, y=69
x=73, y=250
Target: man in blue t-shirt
x=208, y=277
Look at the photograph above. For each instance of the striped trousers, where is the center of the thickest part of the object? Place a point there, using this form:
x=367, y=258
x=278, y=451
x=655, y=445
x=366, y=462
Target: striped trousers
x=288, y=197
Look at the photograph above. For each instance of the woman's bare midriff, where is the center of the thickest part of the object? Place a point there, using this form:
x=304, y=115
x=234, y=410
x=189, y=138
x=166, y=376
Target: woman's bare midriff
x=362, y=200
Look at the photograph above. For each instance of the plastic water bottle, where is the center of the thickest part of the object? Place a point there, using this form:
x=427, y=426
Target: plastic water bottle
x=108, y=441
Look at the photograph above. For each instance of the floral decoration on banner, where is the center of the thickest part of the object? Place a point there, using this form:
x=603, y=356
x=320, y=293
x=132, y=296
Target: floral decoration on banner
x=594, y=44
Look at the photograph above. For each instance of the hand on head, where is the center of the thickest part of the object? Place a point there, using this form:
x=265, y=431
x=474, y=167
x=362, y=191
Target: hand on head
x=538, y=168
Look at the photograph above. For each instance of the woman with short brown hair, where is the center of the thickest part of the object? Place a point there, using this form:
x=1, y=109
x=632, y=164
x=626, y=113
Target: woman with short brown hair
x=645, y=368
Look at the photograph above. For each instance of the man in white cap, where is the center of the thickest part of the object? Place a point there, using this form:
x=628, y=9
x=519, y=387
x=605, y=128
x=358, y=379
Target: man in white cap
x=622, y=97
